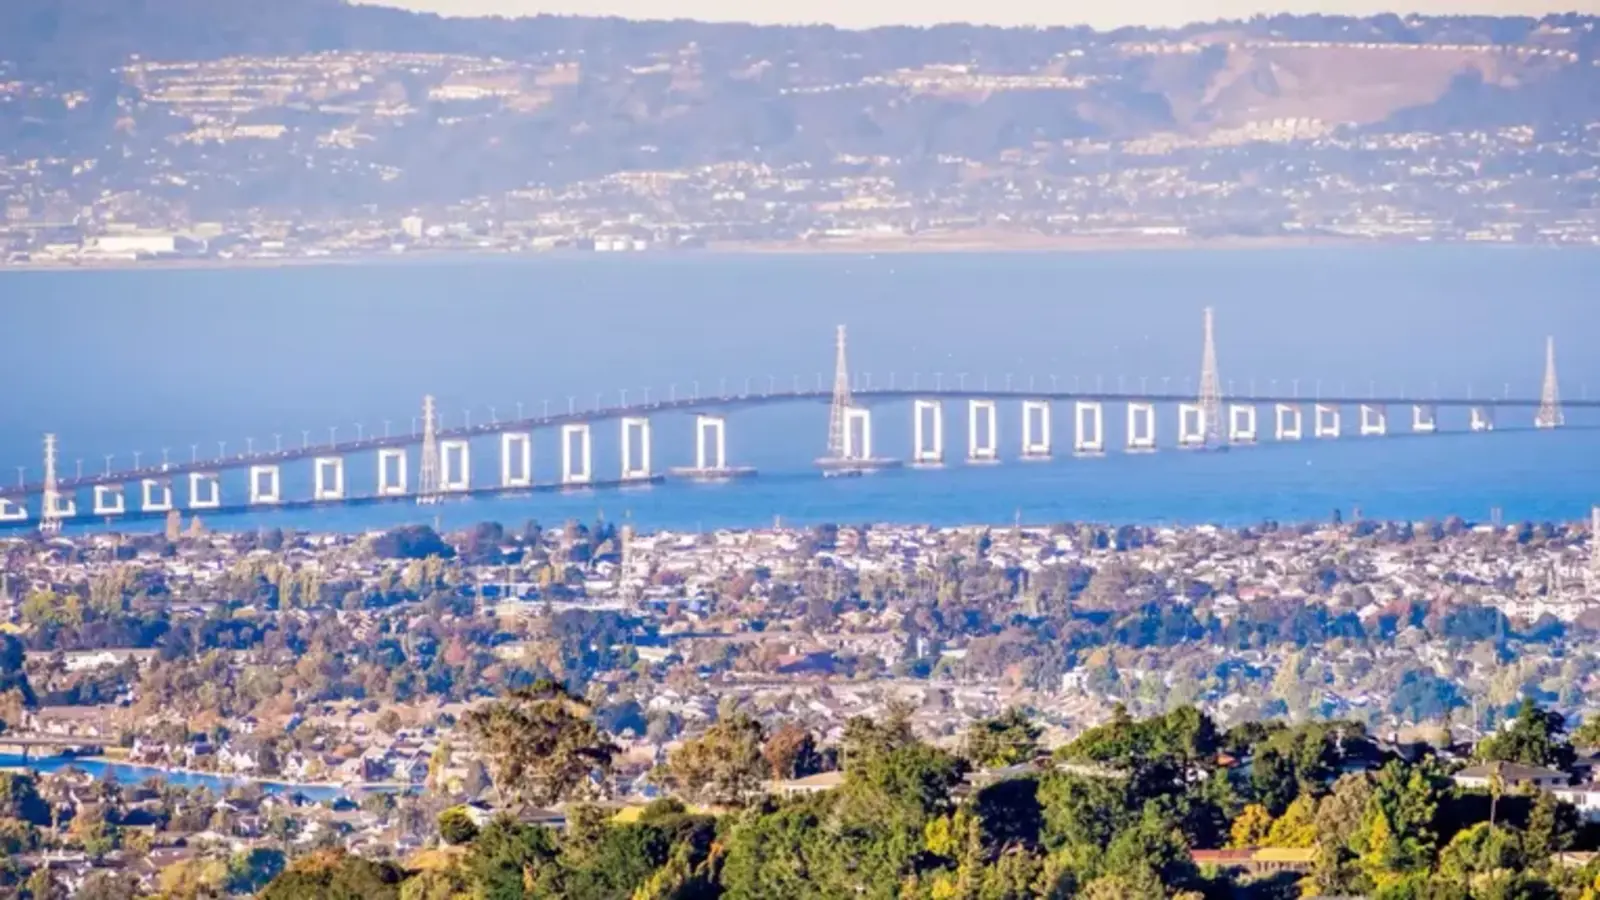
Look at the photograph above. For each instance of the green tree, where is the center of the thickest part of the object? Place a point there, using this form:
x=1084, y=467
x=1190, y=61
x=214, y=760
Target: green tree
x=456, y=826
x=1536, y=737
x=724, y=766
x=540, y=742
x=1005, y=740
x=1297, y=827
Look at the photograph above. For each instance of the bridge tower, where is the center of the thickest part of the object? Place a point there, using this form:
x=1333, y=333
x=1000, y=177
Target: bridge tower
x=428, y=474
x=1549, y=415
x=837, y=424
x=50, y=508
x=1210, y=385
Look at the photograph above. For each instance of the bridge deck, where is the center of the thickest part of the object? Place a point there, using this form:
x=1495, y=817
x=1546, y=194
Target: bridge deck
x=721, y=404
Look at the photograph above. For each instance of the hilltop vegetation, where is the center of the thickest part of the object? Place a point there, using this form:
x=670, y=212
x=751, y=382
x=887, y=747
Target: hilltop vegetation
x=1124, y=812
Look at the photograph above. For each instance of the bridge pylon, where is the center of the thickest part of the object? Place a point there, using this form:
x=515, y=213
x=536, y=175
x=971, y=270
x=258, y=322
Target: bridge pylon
x=837, y=411
x=1549, y=415
x=50, y=502
x=428, y=487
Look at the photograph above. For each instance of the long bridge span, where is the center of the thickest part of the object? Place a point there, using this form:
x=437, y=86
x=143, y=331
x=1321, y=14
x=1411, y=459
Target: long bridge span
x=1205, y=420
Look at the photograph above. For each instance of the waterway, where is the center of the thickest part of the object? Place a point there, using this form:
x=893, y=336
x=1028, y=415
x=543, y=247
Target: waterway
x=133, y=774
x=141, y=360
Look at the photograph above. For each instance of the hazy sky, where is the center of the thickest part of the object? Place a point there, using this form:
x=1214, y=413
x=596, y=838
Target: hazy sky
x=859, y=14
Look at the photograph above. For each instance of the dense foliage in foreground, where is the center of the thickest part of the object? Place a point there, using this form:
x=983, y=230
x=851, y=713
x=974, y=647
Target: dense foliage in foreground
x=1115, y=815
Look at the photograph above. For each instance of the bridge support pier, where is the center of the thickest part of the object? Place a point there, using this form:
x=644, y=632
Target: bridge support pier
x=712, y=432
x=925, y=415
x=635, y=469
x=11, y=511
x=1290, y=424
x=65, y=506
x=1482, y=418
x=110, y=500
x=1036, y=439
x=1141, y=428
x=1327, y=421
x=1191, y=426
x=149, y=490
x=516, y=459
x=455, y=467
x=392, y=460
x=265, y=485
x=1374, y=420
x=1089, y=433
x=570, y=473
x=327, y=478
x=858, y=448
x=1424, y=419
x=205, y=490
x=1241, y=423
x=983, y=426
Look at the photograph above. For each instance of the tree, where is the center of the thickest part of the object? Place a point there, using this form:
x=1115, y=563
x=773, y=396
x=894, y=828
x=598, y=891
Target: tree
x=335, y=875
x=1251, y=828
x=456, y=827
x=1534, y=738
x=540, y=742
x=1551, y=826
x=724, y=766
x=108, y=886
x=791, y=752
x=1005, y=740
x=866, y=738
x=1297, y=827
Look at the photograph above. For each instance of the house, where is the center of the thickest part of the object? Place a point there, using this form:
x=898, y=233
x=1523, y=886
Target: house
x=1513, y=777
x=811, y=784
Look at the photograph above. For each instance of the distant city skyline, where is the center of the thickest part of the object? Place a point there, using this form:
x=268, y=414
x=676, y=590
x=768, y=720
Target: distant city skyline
x=848, y=14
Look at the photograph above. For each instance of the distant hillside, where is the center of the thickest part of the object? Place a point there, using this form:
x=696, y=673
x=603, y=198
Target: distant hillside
x=218, y=105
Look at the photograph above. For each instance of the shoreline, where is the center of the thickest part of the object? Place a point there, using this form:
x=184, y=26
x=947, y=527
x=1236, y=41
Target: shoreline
x=220, y=776
x=960, y=243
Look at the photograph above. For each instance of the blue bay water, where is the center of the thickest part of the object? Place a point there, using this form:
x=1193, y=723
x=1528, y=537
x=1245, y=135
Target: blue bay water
x=140, y=360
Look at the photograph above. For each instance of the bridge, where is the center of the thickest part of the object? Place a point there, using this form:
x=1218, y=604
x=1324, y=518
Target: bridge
x=1206, y=419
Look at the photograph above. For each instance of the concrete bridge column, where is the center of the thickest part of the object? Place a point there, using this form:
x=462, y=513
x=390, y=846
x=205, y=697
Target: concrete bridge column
x=1241, y=423
x=1037, y=443
x=1482, y=418
x=455, y=466
x=859, y=448
x=109, y=500
x=392, y=459
x=66, y=505
x=1424, y=419
x=1089, y=437
x=516, y=459
x=717, y=428
x=1290, y=426
x=265, y=485
x=1327, y=421
x=327, y=481
x=12, y=511
x=205, y=490
x=1191, y=425
x=635, y=470
x=151, y=489
x=983, y=426
x=570, y=472
x=1141, y=428
x=922, y=453
x=1374, y=420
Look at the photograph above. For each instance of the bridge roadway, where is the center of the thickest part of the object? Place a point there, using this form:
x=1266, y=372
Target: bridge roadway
x=724, y=403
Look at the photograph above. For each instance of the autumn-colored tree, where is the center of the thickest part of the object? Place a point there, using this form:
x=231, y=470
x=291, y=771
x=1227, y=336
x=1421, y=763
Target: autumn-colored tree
x=791, y=752
x=1250, y=829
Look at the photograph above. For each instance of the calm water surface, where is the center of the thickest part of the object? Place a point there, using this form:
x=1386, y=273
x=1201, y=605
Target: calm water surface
x=140, y=360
